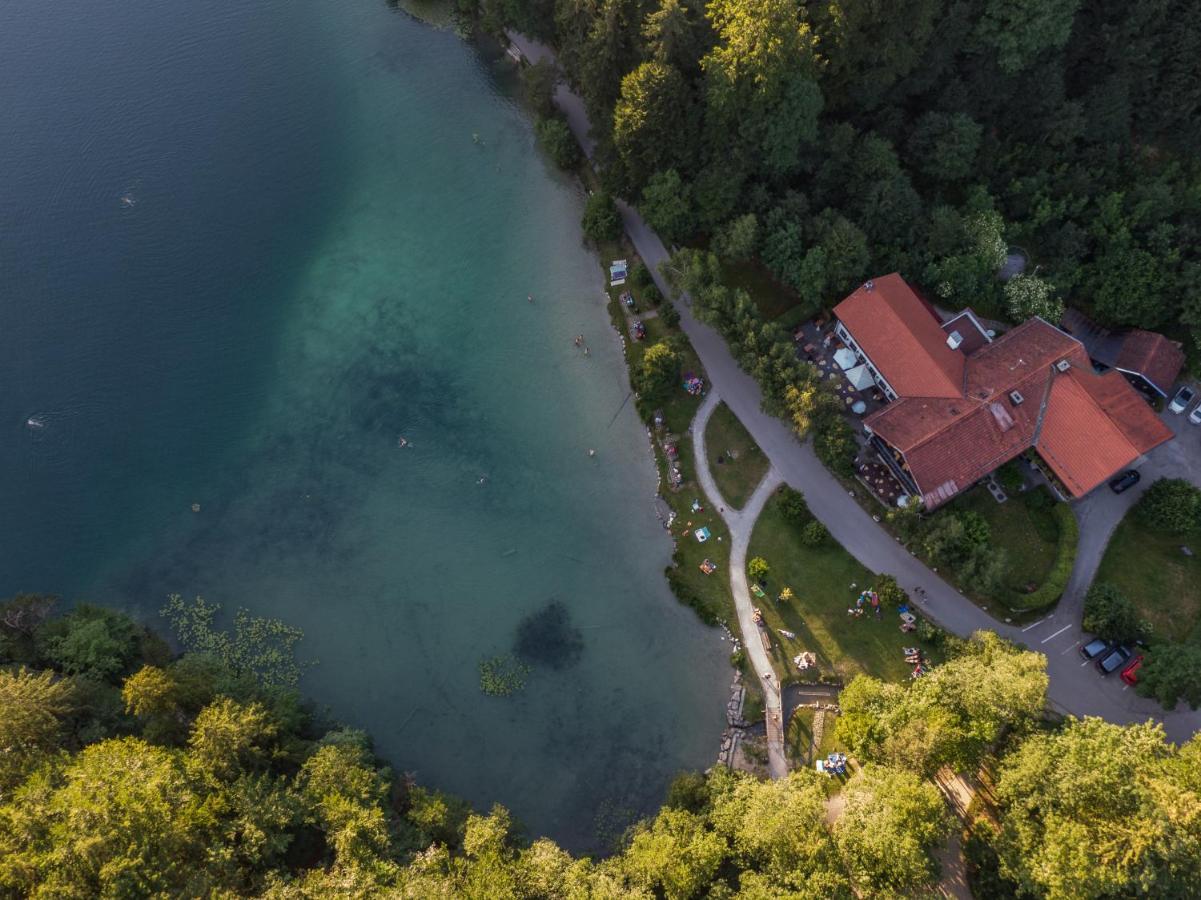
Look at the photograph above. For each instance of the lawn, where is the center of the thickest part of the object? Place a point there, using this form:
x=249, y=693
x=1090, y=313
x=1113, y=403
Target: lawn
x=821, y=579
x=1027, y=531
x=775, y=301
x=1163, y=583
x=737, y=463
x=798, y=738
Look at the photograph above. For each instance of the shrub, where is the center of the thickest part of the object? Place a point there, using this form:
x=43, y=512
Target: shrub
x=1170, y=504
x=1010, y=477
x=814, y=534
x=601, y=220
x=559, y=143
x=1109, y=614
x=834, y=443
x=758, y=568
x=539, y=82
x=670, y=316
x=640, y=275
x=1172, y=672
x=1065, y=557
x=794, y=508
x=890, y=591
x=652, y=295
x=660, y=370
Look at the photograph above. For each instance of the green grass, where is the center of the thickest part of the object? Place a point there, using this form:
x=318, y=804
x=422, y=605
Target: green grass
x=737, y=463
x=774, y=300
x=1163, y=583
x=798, y=737
x=1028, y=535
x=821, y=579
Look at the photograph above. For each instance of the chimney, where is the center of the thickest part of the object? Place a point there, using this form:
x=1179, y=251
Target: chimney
x=954, y=339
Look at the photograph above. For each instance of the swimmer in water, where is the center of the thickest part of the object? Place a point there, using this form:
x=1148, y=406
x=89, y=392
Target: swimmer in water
x=34, y=422
x=402, y=443
x=483, y=479
x=127, y=201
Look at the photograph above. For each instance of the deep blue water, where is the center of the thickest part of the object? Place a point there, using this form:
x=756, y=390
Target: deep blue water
x=244, y=249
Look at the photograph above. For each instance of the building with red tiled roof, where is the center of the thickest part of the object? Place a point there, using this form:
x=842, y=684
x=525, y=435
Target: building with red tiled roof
x=962, y=406
x=1150, y=361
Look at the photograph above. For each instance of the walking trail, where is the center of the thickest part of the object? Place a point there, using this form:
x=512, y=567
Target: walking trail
x=741, y=524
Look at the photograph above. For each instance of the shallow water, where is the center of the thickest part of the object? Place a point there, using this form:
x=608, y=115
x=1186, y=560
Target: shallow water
x=246, y=248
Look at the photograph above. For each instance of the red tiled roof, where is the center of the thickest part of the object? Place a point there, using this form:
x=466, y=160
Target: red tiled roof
x=1086, y=426
x=903, y=337
x=1153, y=356
x=1084, y=442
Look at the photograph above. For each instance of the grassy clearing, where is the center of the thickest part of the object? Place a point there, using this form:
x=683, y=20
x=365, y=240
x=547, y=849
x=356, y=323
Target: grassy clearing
x=798, y=738
x=1163, y=583
x=737, y=463
x=773, y=298
x=821, y=578
x=1027, y=532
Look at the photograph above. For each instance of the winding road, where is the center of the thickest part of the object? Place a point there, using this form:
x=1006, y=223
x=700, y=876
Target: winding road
x=1075, y=687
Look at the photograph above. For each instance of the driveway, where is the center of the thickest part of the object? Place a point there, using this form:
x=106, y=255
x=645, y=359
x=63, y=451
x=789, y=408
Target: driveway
x=1074, y=688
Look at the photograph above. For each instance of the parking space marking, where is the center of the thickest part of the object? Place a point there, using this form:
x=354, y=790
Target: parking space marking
x=1034, y=625
x=1056, y=634
x=1085, y=663
x=1069, y=649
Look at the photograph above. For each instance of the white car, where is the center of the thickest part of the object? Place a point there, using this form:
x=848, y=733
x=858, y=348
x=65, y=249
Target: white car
x=1195, y=415
x=1183, y=398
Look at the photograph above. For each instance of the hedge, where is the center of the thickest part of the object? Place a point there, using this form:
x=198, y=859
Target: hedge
x=1065, y=558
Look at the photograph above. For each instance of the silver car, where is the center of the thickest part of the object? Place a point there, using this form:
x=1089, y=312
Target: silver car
x=1183, y=398
x=1195, y=415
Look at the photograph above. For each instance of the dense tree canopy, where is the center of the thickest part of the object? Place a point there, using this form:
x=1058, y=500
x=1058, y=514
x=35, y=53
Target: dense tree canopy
x=943, y=132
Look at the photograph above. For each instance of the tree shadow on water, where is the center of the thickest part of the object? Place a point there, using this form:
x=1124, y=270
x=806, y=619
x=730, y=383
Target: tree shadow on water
x=546, y=638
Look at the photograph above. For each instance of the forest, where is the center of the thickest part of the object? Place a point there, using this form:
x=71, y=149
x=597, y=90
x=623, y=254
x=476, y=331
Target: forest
x=127, y=770
x=826, y=143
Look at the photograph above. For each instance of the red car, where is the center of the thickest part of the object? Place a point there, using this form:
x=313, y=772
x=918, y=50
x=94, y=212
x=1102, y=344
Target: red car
x=1130, y=673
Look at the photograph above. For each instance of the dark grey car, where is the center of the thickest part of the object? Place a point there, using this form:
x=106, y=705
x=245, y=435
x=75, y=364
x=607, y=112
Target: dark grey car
x=1114, y=660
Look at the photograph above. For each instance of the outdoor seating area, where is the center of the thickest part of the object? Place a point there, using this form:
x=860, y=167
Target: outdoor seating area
x=818, y=344
x=878, y=478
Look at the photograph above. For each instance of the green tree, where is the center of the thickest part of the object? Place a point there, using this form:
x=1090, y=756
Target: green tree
x=758, y=568
x=540, y=82
x=1020, y=31
x=667, y=205
x=677, y=33
x=32, y=709
x=122, y=820
x=21, y=617
x=229, y=737
x=1170, y=673
x=559, y=143
x=1172, y=505
x=347, y=795
x=602, y=222
x=944, y=147
x=886, y=832
x=1109, y=614
x=90, y=640
x=674, y=854
x=1083, y=813
x=652, y=122
x=660, y=370
x=1029, y=295
x=762, y=96
x=815, y=534
x=794, y=508
x=738, y=239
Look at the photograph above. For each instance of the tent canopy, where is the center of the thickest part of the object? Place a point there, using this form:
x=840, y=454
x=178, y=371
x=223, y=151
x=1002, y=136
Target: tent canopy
x=860, y=378
x=845, y=357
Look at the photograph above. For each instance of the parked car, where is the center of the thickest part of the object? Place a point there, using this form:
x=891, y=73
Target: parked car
x=1130, y=673
x=1183, y=398
x=1095, y=648
x=1113, y=660
x=1125, y=481
x=1195, y=415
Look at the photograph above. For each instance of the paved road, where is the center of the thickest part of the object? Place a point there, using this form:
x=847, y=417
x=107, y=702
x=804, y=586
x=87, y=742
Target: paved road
x=741, y=524
x=1074, y=688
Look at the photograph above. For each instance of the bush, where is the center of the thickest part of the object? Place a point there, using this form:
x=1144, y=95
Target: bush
x=1010, y=477
x=834, y=443
x=794, y=508
x=814, y=534
x=891, y=593
x=1065, y=557
x=640, y=275
x=670, y=316
x=539, y=82
x=1109, y=614
x=652, y=295
x=559, y=143
x=601, y=220
x=1172, y=672
x=758, y=568
x=1170, y=504
x=660, y=370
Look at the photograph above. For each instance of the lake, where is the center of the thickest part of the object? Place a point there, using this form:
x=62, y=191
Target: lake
x=246, y=249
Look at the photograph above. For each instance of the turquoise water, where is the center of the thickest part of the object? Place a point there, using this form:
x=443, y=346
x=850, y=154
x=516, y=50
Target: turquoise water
x=247, y=247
